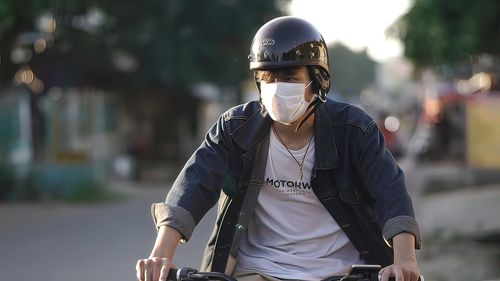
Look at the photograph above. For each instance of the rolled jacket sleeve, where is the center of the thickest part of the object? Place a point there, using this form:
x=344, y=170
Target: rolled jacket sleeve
x=175, y=217
x=198, y=185
x=401, y=224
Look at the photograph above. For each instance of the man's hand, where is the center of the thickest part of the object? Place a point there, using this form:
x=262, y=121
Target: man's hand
x=403, y=271
x=405, y=266
x=153, y=269
x=158, y=264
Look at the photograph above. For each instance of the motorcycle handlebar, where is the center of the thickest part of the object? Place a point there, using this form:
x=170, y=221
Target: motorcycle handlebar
x=190, y=274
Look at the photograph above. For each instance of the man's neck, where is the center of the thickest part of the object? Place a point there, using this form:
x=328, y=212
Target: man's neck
x=295, y=139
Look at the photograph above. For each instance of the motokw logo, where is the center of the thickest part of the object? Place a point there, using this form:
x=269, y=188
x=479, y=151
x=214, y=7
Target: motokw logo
x=268, y=42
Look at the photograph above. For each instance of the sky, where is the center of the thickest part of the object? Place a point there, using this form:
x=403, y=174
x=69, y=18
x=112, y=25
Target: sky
x=358, y=24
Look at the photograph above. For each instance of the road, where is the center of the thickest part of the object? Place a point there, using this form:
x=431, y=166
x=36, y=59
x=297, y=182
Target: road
x=453, y=221
x=68, y=242
x=77, y=242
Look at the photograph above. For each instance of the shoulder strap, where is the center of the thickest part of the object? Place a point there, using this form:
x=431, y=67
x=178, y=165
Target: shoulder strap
x=249, y=201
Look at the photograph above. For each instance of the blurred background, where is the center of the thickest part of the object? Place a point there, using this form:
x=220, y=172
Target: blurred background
x=101, y=103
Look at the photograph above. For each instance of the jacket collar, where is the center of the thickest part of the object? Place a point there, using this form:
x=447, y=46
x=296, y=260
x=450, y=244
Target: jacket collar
x=327, y=156
x=257, y=127
x=253, y=130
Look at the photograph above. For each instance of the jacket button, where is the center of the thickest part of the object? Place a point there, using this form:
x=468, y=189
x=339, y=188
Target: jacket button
x=239, y=227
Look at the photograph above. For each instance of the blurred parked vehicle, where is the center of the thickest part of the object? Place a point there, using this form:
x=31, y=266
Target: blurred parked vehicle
x=390, y=126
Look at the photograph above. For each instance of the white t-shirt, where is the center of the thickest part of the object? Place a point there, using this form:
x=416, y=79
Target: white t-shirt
x=291, y=235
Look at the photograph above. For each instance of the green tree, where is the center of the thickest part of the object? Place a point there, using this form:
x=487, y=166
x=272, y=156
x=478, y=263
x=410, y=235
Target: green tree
x=441, y=31
x=126, y=45
x=351, y=71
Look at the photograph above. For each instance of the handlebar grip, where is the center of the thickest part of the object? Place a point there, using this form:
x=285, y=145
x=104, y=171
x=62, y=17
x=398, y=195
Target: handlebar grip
x=172, y=274
x=420, y=278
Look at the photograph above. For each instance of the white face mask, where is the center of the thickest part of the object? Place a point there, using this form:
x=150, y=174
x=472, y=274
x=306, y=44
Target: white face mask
x=284, y=101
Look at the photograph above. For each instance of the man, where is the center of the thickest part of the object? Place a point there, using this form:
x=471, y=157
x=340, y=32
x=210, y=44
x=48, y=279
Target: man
x=304, y=184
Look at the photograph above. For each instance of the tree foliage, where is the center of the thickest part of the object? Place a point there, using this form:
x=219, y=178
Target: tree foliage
x=356, y=70
x=124, y=44
x=442, y=31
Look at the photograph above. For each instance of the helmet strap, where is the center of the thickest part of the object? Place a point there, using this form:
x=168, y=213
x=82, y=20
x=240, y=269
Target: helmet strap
x=315, y=103
x=322, y=97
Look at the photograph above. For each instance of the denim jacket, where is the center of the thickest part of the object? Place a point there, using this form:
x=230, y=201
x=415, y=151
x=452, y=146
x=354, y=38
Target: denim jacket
x=354, y=177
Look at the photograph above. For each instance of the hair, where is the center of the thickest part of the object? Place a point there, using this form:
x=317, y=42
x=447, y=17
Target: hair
x=271, y=75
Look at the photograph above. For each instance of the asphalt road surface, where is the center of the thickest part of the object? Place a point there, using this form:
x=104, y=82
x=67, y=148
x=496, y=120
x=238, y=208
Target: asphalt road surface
x=82, y=242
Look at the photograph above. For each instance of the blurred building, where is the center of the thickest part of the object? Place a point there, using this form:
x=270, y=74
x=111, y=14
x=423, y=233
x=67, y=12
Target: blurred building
x=71, y=138
x=450, y=95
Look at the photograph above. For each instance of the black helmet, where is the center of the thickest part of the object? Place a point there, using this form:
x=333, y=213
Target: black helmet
x=291, y=41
